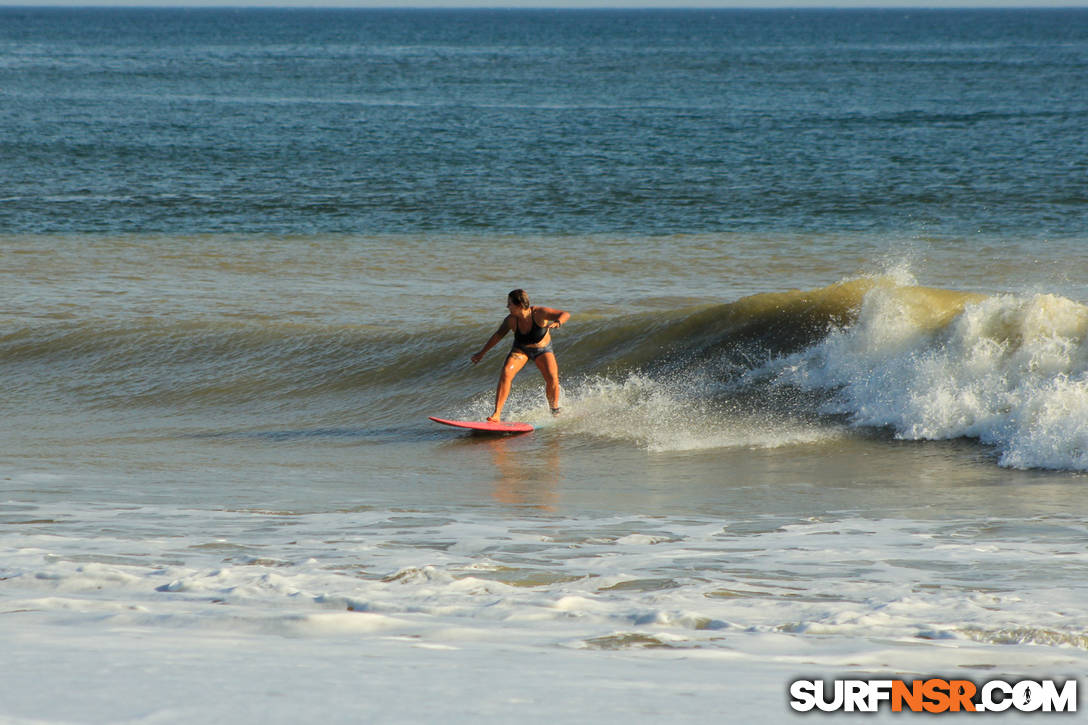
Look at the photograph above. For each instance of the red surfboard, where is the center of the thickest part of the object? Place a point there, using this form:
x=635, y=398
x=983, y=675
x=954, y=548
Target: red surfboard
x=485, y=426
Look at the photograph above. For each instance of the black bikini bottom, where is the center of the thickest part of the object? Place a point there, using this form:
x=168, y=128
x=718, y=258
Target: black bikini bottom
x=532, y=352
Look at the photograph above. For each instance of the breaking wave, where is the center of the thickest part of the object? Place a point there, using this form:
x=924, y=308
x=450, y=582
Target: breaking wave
x=782, y=368
x=1010, y=371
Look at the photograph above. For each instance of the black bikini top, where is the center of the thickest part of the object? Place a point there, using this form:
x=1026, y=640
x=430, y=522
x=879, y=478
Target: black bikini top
x=535, y=334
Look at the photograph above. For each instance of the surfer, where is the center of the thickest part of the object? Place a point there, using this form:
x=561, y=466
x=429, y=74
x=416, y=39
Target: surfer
x=532, y=328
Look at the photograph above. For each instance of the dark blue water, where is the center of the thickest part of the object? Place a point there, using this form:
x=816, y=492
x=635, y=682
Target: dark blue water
x=635, y=122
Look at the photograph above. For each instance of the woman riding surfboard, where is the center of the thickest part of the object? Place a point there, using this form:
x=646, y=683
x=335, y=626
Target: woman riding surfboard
x=532, y=328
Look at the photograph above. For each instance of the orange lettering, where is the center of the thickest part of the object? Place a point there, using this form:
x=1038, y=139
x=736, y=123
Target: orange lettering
x=961, y=692
x=936, y=691
x=911, y=695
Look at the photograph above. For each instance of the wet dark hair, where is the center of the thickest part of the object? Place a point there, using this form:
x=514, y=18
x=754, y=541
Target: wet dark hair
x=519, y=297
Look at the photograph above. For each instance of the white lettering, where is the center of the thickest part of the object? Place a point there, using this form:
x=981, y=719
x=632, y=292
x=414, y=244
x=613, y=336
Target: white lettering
x=989, y=704
x=1027, y=696
x=834, y=704
x=879, y=691
x=803, y=693
x=1064, y=701
x=857, y=696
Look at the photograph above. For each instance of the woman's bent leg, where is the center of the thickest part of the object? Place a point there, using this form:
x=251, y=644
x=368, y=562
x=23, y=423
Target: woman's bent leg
x=549, y=368
x=515, y=361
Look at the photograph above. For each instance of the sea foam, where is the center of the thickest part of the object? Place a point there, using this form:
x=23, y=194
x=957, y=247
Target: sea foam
x=680, y=413
x=1008, y=370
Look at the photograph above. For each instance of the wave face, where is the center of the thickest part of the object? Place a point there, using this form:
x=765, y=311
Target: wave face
x=879, y=353
x=786, y=368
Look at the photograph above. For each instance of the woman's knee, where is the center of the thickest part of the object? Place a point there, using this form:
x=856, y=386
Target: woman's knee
x=512, y=367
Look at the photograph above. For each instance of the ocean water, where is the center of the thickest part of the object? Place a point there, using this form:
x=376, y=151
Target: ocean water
x=825, y=384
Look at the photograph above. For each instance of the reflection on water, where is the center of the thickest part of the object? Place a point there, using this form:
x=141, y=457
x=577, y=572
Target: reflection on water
x=525, y=476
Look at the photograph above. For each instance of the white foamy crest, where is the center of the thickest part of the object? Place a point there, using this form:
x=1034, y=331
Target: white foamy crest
x=677, y=415
x=1011, y=371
